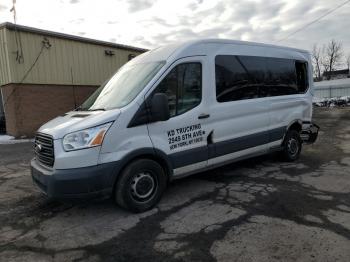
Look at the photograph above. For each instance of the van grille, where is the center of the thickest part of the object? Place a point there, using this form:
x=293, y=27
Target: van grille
x=43, y=148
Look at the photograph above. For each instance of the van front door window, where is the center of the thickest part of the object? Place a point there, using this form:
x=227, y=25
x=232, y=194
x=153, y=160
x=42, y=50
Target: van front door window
x=183, y=87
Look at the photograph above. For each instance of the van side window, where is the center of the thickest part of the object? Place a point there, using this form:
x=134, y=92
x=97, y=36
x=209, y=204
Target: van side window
x=183, y=86
x=248, y=77
x=281, y=77
x=233, y=80
x=301, y=72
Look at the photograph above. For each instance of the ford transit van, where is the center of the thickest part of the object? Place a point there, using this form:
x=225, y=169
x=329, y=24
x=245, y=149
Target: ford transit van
x=175, y=111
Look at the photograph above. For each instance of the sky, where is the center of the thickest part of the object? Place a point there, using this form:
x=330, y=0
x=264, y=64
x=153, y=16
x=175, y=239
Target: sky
x=152, y=23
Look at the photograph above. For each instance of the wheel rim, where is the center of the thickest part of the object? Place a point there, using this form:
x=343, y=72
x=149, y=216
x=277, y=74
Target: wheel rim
x=143, y=186
x=293, y=147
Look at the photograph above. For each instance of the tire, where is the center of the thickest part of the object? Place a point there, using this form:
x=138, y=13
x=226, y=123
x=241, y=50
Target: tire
x=140, y=185
x=292, y=144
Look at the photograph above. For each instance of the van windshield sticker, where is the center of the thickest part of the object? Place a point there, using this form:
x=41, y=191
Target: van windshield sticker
x=185, y=136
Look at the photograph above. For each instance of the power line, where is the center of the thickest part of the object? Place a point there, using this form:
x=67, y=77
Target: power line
x=314, y=21
x=19, y=52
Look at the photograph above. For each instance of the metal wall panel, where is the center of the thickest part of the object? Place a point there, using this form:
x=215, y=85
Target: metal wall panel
x=64, y=62
x=330, y=92
x=4, y=59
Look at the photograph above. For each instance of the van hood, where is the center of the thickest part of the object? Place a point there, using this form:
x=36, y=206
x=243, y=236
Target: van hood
x=77, y=120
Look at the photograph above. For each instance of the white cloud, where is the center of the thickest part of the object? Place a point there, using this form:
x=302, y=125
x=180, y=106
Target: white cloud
x=150, y=23
x=3, y=7
x=138, y=5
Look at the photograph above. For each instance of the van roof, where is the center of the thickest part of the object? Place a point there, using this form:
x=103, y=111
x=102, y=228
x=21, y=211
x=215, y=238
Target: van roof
x=239, y=42
x=182, y=48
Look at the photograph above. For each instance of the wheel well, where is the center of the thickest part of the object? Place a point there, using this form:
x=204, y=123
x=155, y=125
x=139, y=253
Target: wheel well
x=157, y=159
x=295, y=126
x=153, y=157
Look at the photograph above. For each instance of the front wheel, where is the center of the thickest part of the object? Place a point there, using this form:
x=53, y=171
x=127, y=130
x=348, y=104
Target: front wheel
x=140, y=185
x=291, y=146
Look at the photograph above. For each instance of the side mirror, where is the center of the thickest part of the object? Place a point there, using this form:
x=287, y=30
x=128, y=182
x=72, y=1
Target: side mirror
x=160, y=107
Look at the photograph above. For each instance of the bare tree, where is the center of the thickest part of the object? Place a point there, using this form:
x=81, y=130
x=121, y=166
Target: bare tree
x=347, y=61
x=332, y=55
x=317, y=60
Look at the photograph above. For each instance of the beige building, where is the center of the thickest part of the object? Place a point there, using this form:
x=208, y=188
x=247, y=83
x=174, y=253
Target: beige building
x=44, y=74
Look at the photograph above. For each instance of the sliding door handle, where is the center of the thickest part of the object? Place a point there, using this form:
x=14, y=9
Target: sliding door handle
x=202, y=116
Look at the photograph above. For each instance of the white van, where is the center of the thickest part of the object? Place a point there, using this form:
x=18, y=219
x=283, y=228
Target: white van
x=174, y=111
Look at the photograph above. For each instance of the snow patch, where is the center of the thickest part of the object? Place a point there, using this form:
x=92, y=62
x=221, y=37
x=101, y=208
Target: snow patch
x=331, y=102
x=5, y=139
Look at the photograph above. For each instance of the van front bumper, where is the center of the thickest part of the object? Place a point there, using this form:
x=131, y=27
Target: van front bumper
x=74, y=183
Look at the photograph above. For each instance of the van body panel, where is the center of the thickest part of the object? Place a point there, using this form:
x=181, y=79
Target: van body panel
x=252, y=116
x=127, y=141
x=76, y=121
x=120, y=140
x=204, y=133
x=74, y=183
x=215, y=49
x=162, y=53
x=286, y=110
x=74, y=159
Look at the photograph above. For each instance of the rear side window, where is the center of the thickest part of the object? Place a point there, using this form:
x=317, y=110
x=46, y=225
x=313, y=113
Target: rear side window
x=302, y=79
x=183, y=87
x=247, y=77
x=281, y=77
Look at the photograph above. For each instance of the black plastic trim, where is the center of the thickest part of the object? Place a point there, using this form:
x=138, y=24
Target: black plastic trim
x=90, y=181
x=76, y=182
x=309, y=135
x=147, y=151
x=203, y=153
x=241, y=143
x=277, y=133
x=141, y=117
x=188, y=157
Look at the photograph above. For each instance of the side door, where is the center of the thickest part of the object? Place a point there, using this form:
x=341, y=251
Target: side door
x=183, y=137
x=240, y=110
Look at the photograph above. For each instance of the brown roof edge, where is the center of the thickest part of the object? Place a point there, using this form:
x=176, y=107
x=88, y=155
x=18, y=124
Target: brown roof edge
x=336, y=72
x=34, y=30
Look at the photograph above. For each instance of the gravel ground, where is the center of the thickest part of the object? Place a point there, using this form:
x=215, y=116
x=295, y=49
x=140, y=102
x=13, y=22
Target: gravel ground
x=256, y=210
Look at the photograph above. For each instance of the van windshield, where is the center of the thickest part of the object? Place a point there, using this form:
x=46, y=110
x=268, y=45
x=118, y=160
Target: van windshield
x=123, y=87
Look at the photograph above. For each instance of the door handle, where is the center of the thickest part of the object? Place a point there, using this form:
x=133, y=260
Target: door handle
x=202, y=116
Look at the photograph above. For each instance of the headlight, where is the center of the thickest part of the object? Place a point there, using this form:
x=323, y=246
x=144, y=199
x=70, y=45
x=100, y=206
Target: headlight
x=86, y=138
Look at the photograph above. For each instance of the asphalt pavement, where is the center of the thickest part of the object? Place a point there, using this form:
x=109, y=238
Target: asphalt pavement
x=260, y=209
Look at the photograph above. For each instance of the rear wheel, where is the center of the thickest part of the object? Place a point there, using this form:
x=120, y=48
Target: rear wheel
x=140, y=185
x=291, y=146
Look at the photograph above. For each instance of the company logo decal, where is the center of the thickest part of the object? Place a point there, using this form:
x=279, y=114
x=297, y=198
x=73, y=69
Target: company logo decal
x=38, y=148
x=185, y=136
